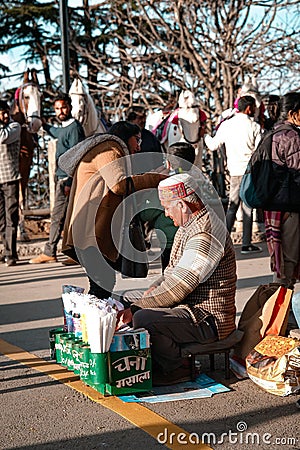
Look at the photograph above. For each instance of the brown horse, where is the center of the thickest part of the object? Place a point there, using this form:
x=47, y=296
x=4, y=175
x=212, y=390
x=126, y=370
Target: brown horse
x=27, y=111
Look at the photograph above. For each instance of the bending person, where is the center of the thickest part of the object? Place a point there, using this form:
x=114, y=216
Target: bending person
x=99, y=167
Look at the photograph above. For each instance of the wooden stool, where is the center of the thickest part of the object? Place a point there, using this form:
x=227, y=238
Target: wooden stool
x=223, y=346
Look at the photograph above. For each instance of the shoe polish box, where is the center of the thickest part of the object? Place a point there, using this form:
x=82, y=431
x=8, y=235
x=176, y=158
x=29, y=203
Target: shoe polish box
x=129, y=372
x=138, y=339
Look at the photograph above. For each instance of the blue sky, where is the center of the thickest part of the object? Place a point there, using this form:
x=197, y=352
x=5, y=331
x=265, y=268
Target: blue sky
x=12, y=58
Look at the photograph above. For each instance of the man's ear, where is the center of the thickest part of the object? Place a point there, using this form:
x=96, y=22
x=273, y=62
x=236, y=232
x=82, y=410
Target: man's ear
x=183, y=206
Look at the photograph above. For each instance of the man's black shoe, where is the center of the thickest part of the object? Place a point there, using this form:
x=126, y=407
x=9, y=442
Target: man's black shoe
x=250, y=249
x=2, y=259
x=11, y=261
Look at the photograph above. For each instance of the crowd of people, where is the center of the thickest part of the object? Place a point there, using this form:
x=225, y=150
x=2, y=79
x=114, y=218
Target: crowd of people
x=194, y=299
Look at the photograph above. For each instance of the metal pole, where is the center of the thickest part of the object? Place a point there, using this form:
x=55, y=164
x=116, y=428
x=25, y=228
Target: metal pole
x=64, y=27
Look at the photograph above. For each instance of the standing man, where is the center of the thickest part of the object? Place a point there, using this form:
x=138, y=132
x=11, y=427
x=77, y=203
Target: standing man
x=68, y=134
x=240, y=135
x=10, y=134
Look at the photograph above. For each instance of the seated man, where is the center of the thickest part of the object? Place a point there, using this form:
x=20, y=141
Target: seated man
x=194, y=301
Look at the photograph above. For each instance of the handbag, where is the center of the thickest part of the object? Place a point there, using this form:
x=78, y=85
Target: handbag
x=133, y=258
x=248, y=191
x=265, y=313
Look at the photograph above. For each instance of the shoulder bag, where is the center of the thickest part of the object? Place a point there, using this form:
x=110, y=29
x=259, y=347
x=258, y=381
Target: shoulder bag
x=133, y=257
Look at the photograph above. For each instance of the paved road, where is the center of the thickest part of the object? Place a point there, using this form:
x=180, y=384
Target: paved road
x=38, y=412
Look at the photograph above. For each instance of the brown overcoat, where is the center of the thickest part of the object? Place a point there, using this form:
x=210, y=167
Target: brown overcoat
x=98, y=188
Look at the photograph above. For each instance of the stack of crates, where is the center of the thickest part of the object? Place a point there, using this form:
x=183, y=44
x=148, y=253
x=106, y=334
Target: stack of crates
x=125, y=369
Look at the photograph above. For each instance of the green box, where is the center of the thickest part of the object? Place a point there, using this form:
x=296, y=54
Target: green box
x=98, y=371
x=68, y=354
x=52, y=333
x=59, y=343
x=129, y=372
x=84, y=356
x=65, y=350
x=77, y=343
x=116, y=373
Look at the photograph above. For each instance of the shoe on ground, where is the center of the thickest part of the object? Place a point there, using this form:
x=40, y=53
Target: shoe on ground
x=179, y=375
x=10, y=261
x=246, y=249
x=2, y=259
x=70, y=262
x=42, y=258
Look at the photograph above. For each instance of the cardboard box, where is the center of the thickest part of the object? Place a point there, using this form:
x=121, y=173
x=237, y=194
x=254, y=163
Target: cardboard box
x=129, y=372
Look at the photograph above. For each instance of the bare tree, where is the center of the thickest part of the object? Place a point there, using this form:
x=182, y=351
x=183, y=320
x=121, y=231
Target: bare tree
x=147, y=51
x=25, y=25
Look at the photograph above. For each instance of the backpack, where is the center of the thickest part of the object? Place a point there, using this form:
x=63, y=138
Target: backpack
x=267, y=185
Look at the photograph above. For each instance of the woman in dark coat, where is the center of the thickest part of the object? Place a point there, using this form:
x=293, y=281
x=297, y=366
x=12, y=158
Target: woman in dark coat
x=283, y=228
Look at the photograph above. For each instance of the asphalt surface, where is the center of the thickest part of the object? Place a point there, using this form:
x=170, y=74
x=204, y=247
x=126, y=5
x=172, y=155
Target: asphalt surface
x=38, y=412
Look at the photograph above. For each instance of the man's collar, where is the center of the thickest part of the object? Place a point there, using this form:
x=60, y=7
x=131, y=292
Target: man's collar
x=201, y=212
x=68, y=122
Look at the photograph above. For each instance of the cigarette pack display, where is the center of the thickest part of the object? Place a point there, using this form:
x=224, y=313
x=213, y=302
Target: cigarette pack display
x=130, y=340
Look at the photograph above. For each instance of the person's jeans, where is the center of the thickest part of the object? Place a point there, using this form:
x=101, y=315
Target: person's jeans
x=100, y=270
x=57, y=218
x=290, y=246
x=234, y=203
x=169, y=328
x=9, y=216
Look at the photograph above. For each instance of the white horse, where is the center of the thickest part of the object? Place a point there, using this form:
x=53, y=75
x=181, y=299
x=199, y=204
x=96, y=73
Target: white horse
x=29, y=102
x=184, y=124
x=84, y=109
x=27, y=111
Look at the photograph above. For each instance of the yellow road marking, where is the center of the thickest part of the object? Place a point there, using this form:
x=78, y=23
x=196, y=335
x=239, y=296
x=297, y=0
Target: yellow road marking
x=140, y=416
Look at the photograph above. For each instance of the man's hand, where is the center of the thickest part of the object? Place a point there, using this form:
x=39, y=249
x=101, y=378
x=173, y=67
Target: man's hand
x=67, y=190
x=123, y=318
x=149, y=290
